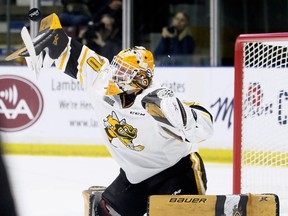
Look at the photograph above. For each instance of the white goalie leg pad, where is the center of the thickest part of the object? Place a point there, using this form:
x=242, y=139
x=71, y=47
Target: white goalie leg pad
x=92, y=197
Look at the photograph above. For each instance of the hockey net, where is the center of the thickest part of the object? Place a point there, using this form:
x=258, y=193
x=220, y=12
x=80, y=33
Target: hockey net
x=261, y=116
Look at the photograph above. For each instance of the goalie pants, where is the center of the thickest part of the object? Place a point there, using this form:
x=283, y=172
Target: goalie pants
x=188, y=176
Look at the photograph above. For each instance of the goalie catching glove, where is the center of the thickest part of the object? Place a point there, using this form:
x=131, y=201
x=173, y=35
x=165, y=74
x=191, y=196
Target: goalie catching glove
x=41, y=52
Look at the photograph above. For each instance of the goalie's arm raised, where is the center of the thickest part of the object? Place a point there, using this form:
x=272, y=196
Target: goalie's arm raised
x=80, y=62
x=185, y=121
x=52, y=45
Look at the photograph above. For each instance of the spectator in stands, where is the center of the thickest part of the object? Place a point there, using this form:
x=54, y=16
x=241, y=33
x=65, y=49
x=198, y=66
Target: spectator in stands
x=177, y=44
x=76, y=13
x=111, y=7
x=114, y=9
x=103, y=37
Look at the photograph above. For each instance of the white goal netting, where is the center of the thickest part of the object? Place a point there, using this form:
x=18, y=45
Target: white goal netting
x=264, y=119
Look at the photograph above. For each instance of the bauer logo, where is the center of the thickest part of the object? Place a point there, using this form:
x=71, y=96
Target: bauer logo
x=21, y=103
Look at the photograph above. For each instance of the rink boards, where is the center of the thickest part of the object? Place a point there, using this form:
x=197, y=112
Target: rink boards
x=47, y=116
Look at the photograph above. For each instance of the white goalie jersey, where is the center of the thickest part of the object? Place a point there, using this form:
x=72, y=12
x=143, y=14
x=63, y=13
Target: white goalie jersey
x=152, y=134
x=146, y=132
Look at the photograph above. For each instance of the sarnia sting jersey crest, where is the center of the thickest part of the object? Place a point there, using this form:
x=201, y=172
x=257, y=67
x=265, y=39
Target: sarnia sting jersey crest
x=121, y=130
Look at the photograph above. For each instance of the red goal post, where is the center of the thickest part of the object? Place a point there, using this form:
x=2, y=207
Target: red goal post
x=260, y=121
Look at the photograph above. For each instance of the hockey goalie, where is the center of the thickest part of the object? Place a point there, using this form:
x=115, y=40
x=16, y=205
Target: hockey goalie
x=151, y=133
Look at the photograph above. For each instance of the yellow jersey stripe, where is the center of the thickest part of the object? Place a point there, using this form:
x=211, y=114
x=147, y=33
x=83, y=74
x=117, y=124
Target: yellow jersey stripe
x=64, y=56
x=196, y=166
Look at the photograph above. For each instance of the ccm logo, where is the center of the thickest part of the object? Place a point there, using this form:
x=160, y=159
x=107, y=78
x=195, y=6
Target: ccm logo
x=21, y=103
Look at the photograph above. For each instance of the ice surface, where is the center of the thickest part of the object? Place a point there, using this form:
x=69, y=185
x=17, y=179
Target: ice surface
x=52, y=186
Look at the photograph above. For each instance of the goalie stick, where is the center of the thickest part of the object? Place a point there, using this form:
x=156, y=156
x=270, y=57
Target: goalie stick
x=35, y=61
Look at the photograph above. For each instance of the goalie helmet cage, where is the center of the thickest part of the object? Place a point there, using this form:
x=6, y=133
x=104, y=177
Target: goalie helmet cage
x=260, y=154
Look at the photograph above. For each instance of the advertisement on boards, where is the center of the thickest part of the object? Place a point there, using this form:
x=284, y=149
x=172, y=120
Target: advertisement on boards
x=54, y=109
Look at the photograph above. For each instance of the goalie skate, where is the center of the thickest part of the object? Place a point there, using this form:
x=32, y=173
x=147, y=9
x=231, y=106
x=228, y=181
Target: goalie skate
x=92, y=197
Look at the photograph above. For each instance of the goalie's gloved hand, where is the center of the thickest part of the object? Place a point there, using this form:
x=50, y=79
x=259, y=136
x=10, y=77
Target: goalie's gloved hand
x=52, y=41
x=174, y=112
x=51, y=38
x=43, y=62
x=169, y=112
x=49, y=44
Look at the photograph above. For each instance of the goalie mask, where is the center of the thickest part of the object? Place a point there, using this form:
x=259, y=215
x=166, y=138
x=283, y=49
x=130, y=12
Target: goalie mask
x=131, y=71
